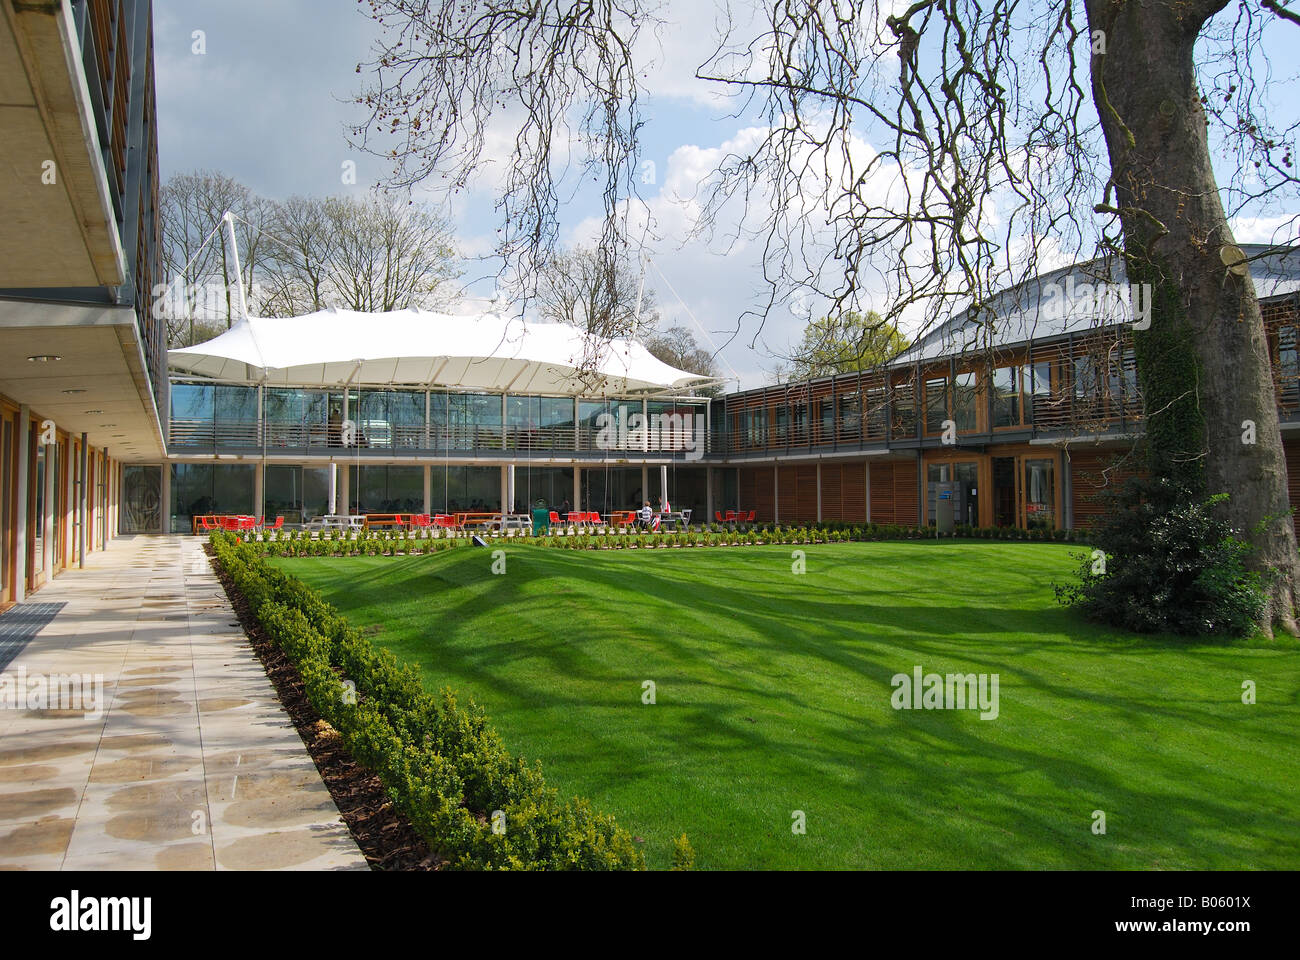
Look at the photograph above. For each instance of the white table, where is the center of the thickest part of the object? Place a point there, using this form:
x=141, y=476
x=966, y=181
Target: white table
x=336, y=521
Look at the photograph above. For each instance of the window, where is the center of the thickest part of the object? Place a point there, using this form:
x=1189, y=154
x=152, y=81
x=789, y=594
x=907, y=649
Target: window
x=1122, y=379
x=754, y=427
x=1040, y=389
x=1087, y=382
x=779, y=421
x=465, y=421
x=904, y=414
x=877, y=412
x=1288, y=366
x=1006, y=397
x=799, y=421
x=540, y=422
x=826, y=420
x=963, y=402
x=850, y=416
x=936, y=404
x=1040, y=494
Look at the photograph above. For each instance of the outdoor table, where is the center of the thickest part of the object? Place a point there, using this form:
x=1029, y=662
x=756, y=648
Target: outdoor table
x=339, y=521
x=207, y=521
x=402, y=520
x=518, y=521
x=671, y=519
x=487, y=521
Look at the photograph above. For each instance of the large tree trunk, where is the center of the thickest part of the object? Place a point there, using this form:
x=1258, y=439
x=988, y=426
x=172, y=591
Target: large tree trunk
x=1175, y=232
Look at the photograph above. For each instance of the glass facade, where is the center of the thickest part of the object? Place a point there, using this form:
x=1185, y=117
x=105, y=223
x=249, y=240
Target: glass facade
x=687, y=490
x=296, y=493
x=205, y=414
x=388, y=489
x=208, y=488
x=613, y=488
x=466, y=489
x=550, y=487
x=539, y=423
x=465, y=421
x=389, y=419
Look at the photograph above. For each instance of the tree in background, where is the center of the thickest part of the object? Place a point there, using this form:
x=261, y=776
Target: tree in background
x=368, y=254
x=677, y=347
x=298, y=256
x=843, y=344
x=191, y=206
x=583, y=288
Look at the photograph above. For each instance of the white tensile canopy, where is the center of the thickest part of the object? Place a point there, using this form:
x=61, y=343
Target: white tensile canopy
x=484, y=352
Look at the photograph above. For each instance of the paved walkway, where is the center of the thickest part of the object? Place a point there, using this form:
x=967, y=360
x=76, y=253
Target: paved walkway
x=191, y=764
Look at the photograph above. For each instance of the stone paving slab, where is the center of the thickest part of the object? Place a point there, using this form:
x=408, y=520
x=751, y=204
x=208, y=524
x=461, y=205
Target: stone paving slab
x=190, y=762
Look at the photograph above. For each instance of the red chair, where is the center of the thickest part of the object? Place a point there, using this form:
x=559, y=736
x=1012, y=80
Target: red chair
x=749, y=518
x=593, y=519
x=717, y=514
x=555, y=518
x=444, y=521
x=279, y=522
x=206, y=524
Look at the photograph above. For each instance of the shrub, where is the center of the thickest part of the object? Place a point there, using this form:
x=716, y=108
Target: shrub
x=683, y=854
x=441, y=763
x=1168, y=564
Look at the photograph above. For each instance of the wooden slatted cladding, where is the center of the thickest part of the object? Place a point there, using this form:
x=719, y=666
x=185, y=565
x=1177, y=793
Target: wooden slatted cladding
x=786, y=492
x=1282, y=328
x=1292, y=450
x=756, y=493
x=844, y=492
x=1092, y=475
x=805, y=496
x=121, y=89
x=893, y=492
x=101, y=24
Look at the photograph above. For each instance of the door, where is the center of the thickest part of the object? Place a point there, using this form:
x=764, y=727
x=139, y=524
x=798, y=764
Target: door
x=1024, y=492
x=1038, y=493
x=1006, y=492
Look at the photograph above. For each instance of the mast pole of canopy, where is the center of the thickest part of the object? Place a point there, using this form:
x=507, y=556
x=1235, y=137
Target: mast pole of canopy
x=229, y=219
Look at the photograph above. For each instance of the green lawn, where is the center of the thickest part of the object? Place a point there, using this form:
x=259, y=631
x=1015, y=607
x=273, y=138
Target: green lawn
x=773, y=695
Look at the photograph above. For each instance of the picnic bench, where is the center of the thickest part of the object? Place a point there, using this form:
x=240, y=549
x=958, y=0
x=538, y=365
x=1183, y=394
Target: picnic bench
x=336, y=521
x=388, y=520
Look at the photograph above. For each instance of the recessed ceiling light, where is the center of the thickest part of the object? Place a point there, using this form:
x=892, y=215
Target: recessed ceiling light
x=44, y=358
x=75, y=390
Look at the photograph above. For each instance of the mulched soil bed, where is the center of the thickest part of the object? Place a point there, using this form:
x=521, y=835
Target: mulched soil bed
x=385, y=836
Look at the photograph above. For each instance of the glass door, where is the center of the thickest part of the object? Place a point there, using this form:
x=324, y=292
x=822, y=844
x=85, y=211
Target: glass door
x=1006, y=492
x=1039, y=493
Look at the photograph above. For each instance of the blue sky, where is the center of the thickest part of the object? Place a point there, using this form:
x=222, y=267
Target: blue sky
x=268, y=103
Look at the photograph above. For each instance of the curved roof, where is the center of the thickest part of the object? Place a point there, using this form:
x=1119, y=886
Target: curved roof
x=484, y=352
x=1069, y=300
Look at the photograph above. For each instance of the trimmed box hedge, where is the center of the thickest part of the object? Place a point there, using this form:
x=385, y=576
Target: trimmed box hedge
x=442, y=764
